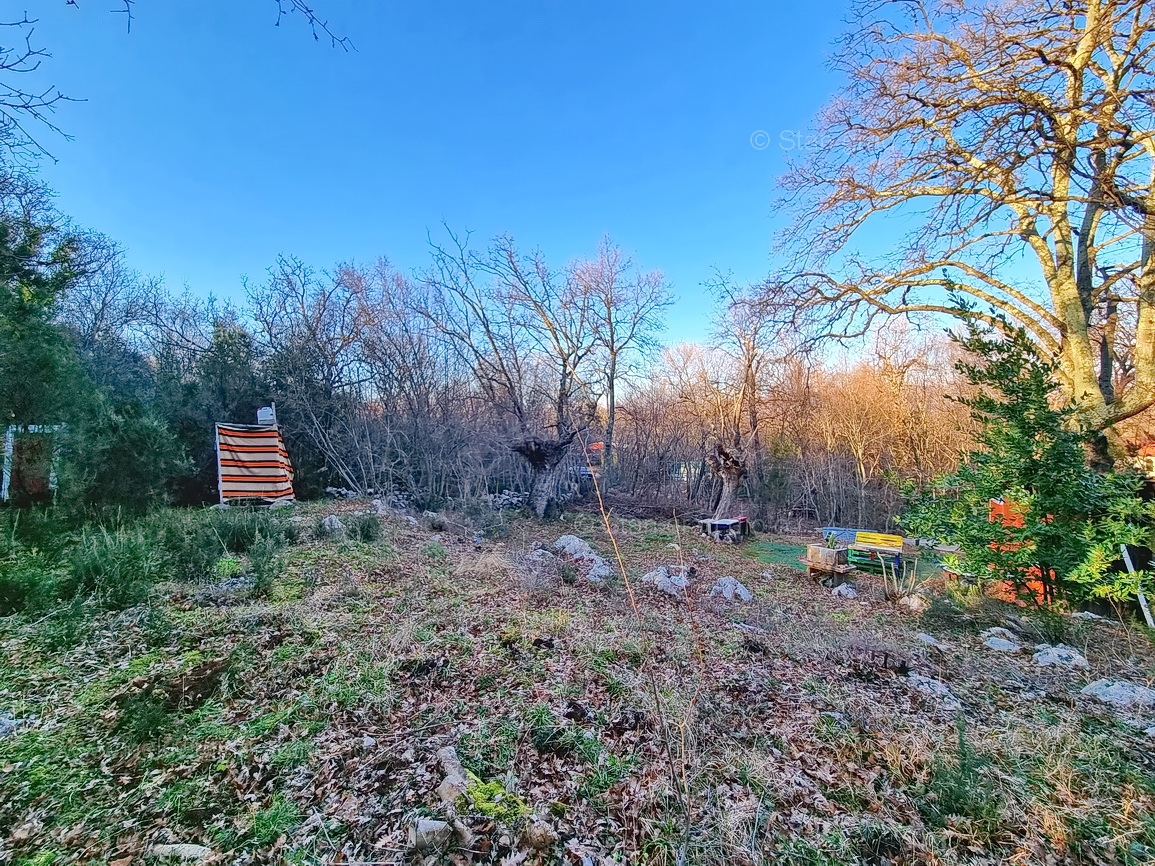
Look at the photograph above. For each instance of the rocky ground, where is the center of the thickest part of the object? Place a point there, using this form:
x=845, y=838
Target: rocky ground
x=434, y=696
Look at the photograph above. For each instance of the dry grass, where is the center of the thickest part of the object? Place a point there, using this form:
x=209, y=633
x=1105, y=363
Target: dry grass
x=667, y=732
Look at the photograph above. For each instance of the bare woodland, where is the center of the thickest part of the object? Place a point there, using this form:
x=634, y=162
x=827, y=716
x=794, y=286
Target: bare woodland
x=493, y=370
x=1005, y=151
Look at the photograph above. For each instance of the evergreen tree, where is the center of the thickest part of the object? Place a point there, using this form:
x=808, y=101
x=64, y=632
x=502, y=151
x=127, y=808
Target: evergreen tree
x=1051, y=511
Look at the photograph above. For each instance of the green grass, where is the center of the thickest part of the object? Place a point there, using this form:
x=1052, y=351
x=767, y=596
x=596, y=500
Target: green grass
x=279, y=818
x=776, y=552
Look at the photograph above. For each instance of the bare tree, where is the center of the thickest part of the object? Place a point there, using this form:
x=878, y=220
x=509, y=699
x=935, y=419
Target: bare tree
x=627, y=308
x=1002, y=131
x=311, y=325
x=525, y=330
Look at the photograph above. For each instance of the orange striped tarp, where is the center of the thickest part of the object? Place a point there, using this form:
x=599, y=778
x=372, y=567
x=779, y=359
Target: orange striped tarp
x=252, y=463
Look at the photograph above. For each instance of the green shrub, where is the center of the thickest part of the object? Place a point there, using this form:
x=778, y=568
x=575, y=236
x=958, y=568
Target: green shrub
x=120, y=458
x=144, y=717
x=364, y=527
x=205, y=544
x=29, y=581
x=47, y=530
x=119, y=567
x=265, y=562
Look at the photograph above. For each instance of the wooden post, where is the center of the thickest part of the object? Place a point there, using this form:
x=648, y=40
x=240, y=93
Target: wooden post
x=1140, y=593
x=217, y=446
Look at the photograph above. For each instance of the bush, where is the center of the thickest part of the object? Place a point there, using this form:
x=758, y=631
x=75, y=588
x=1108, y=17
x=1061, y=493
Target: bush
x=199, y=543
x=239, y=529
x=29, y=581
x=364, y=527
x=1062, y=522
x=119, y=566
x=121, y=459
x=265, y=562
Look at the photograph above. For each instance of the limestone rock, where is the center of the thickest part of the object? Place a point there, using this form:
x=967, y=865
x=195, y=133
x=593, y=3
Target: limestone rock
x=8, y=724
x=935, y=689
x=454, y=783
x=670, y=579
x=1121, y=694
x=929, y=640
x=332, y=524
x=1001, y=634
x=844, y=590
x=731, y=588
x=1001, y=645
x=1059, y=655
x=913, y=604
x=580, y=551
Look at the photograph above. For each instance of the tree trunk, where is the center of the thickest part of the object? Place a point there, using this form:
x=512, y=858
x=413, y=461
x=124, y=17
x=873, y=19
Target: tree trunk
x=730, y=468
x=544, y=457
x=611, y=413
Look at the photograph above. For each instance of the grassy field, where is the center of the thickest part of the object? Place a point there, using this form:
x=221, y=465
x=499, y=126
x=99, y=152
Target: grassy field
x=289, y=707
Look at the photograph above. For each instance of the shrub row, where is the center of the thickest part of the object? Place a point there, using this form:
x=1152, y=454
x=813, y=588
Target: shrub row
x=44, y=561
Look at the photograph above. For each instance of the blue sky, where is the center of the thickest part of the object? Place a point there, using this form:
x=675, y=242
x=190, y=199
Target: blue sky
x=210, y=141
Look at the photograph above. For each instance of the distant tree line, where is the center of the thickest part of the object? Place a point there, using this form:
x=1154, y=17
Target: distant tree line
x=489, y=369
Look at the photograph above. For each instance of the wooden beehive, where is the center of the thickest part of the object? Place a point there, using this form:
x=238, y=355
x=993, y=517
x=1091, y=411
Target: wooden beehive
x=827, y=558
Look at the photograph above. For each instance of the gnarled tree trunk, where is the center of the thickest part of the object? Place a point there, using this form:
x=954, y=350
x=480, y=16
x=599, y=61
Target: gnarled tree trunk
x=730, y=467
x=545, y=457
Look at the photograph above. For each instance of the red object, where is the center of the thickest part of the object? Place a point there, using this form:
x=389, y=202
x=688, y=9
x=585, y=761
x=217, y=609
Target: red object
x=1010, y=513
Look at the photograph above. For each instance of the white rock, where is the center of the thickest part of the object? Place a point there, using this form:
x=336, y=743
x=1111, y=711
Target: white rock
x=183, y=852
x=332, y=524
x=731, y=588
x=430, y=835
x=368, y=742
x=913, y=603
x=1059, y=655
x=573, y=546
x=935, y=689
x=1121, y=694
x=1001, y=645
x=1001, y=634
x=929, y=640
x=671, y=580
x=1085, y=615
x=454, y=783
x=844, y=590
x=580, y=551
